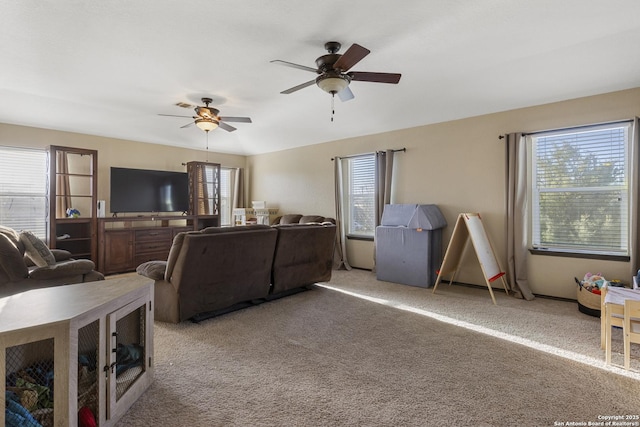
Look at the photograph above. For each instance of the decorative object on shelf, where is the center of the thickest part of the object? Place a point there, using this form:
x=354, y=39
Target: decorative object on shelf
x=73, y=213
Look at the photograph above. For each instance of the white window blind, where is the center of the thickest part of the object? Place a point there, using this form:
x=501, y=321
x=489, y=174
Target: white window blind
x=226, y=195
x=361, y=195
x=580, y=197
x=23, y=190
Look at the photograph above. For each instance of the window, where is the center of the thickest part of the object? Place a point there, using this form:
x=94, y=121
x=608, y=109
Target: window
x=580, y=191
x=359, y=193
x=23, y=190
x=226, y=195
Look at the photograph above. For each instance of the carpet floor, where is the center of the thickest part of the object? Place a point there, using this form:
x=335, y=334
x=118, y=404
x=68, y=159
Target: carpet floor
x=359, y=352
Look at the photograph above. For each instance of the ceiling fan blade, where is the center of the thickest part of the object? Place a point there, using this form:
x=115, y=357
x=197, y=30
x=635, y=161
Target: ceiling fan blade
x=236, y=119
x=172, y=115
x=345, y=94
x=301, y=86
x=187, y=125
x=351, y=57
x=226, y=127
x=291, y=64
x=375, y=77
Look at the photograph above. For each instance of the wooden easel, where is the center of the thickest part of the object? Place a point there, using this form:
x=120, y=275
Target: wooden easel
x=470, y=225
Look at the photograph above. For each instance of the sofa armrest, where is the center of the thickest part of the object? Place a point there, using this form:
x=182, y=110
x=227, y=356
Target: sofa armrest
x=61, y=254
x=63, y=269
x=152, y=269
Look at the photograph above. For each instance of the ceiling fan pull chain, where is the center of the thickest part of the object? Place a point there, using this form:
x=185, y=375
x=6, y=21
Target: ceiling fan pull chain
x=207, y=152
x=333, y=110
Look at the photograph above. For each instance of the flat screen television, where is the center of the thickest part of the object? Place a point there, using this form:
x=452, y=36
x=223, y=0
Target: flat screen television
x=142, y=190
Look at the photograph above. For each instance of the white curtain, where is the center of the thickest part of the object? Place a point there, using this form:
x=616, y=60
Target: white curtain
x=517, y=215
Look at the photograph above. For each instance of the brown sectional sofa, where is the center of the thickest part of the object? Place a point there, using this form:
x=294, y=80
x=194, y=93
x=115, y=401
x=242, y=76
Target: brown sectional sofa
x=218, y=269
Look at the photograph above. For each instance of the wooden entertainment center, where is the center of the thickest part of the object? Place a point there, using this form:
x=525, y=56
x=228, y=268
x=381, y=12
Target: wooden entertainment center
x=120, y=243
x=125, y=243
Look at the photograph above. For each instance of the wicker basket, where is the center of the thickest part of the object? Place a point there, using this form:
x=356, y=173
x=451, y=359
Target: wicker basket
x=588, y=302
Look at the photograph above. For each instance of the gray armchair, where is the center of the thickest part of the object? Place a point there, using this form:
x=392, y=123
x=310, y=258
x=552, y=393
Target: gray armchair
x=26, y=263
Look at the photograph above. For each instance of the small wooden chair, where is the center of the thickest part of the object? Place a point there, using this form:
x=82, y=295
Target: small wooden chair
x=610, y=315
x=613, y=312
x=631, y=319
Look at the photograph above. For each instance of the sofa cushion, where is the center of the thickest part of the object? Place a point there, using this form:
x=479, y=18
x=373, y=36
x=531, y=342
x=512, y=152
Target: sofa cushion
x=11, y=260
x=36, y=250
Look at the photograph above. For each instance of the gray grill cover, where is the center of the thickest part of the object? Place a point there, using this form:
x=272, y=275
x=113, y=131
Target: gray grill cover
x=409, y=244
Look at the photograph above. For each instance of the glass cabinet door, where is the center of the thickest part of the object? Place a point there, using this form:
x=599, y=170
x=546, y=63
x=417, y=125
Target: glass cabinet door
x=204, y=193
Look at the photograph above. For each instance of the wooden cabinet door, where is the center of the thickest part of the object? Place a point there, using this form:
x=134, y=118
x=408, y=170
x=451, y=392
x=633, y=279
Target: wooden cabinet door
x=118, y=251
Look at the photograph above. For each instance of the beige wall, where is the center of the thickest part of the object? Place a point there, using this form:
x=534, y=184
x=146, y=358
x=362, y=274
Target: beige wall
x=457, y=165
x=115, y=152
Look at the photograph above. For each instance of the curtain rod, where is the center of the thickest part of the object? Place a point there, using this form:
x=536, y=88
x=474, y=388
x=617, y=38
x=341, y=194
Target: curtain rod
x=395, y=150
x=571, y=128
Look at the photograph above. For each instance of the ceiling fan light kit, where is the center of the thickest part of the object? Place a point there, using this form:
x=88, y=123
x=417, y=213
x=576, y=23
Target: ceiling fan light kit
x=332, y=84
x=206, y=124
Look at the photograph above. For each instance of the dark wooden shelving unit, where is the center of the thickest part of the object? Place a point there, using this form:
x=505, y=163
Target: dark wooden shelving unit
x=73, y=184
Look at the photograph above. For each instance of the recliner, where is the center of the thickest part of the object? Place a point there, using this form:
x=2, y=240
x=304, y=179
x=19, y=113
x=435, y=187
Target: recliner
x=19, y=274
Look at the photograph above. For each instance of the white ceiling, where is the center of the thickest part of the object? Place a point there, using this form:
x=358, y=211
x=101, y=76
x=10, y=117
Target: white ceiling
x=109, y=67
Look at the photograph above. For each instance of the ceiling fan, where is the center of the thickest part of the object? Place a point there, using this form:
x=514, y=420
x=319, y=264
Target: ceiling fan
x=333, y=71
x=207, y=118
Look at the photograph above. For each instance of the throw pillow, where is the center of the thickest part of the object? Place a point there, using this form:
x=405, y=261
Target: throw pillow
x=36, y=250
